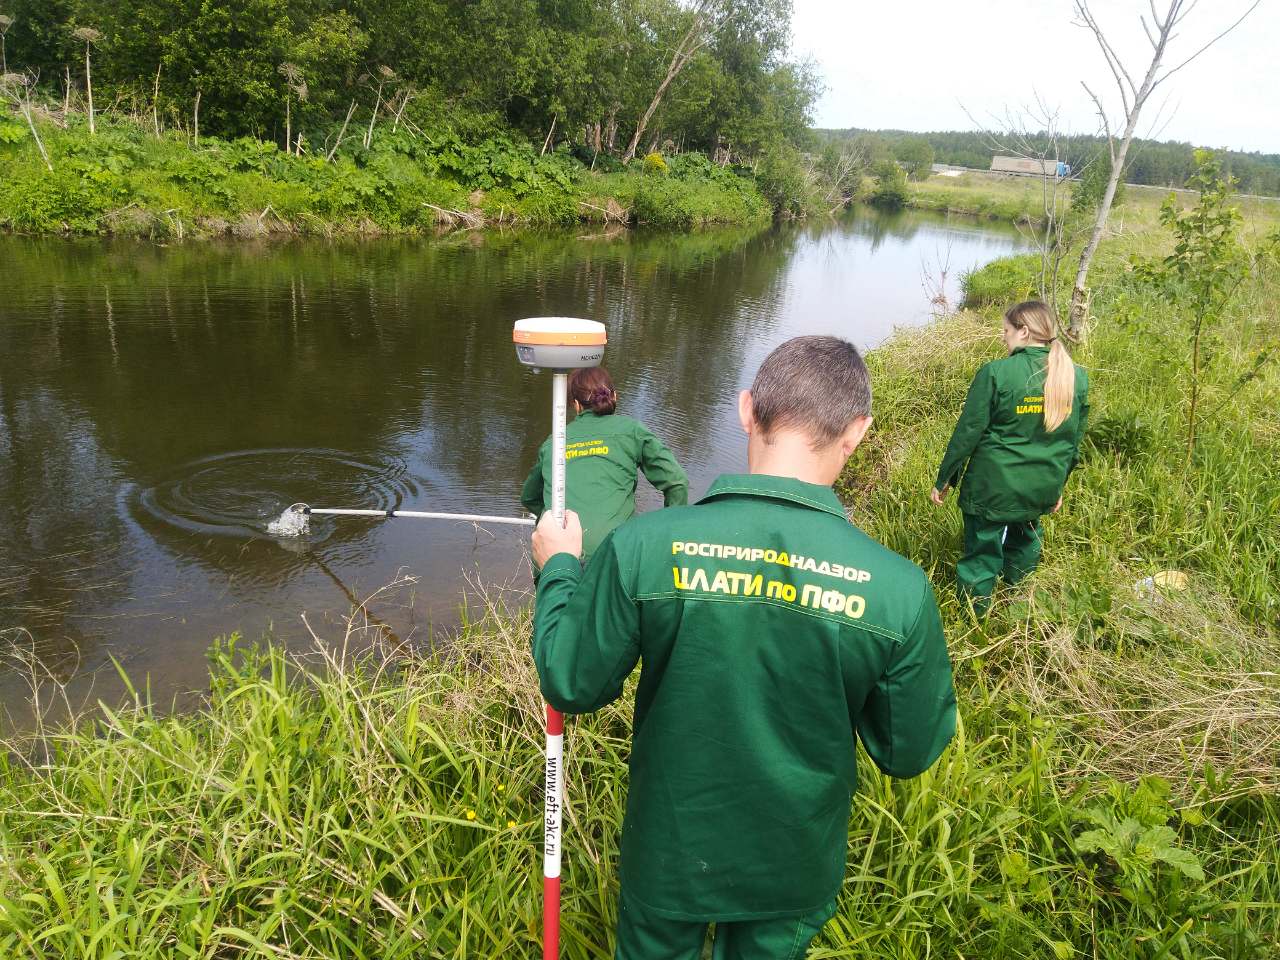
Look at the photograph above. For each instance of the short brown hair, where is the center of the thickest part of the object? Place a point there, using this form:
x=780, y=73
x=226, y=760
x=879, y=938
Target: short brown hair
x=593, y=388
x=815, y=384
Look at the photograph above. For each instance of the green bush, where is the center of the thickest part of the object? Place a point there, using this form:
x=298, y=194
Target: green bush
x=654, y=164
x=674, y=203
x=73, y=198
x=891, y=185
x=12, y=132
x=1001, y=283
x=782, y=178
x=1087, y=192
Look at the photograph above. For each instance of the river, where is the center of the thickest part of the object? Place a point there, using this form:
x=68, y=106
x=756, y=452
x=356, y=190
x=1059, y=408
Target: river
x=160, y=405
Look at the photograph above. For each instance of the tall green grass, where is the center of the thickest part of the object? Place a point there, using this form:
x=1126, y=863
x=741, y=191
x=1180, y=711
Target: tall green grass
x=389, y=807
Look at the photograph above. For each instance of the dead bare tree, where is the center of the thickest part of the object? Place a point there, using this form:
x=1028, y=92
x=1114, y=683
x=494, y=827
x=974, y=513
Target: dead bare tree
x=17, y=88
x=6, y=22
x=385, y=76
x=343, y=132
x=1034, y=132
x=401, y=100
x=295, y=85
x=703, y=15
x=1160, y=32
x=155, y=101
x=89, y=36
x=933, y=278
x=550, y=133
x=844, y=176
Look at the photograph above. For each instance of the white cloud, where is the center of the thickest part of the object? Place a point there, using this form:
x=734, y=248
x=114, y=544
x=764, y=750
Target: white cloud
x=918, y=64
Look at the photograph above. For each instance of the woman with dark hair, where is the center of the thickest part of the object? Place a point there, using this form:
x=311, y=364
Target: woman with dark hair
x=604, y=453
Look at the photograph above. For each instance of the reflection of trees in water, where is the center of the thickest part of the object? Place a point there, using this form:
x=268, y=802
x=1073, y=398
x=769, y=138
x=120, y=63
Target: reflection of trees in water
x=61, y=538
x=878, y=225
x=681, y=336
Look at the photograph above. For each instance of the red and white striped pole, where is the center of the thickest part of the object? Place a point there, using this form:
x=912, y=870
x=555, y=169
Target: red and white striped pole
x=554, y=772
x=558, y=344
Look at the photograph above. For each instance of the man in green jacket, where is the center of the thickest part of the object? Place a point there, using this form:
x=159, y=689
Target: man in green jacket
x=773, y=635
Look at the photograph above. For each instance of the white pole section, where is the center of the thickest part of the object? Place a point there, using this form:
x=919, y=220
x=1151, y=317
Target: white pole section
x=417, y=515
x=559, y=417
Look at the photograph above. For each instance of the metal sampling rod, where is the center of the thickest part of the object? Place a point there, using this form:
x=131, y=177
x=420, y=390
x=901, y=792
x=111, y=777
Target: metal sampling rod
x=411, y=514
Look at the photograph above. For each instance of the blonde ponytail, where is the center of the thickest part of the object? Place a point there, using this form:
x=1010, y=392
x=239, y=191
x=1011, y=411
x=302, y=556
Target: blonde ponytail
x=1041, y=324
x=1059, y=386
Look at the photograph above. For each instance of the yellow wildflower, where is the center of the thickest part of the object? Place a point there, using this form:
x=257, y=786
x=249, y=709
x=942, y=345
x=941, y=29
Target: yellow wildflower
x=471, y=814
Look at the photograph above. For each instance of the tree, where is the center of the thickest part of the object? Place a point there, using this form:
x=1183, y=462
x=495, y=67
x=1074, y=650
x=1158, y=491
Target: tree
x=1034, y=132
x=328, y=54
x=88, y=36
x=916, y=156
x=1092, y=185
x=1203, y=272
x=891, y=184
x=1133, y=97
x=227, y=54
x=843, y=164
x=696, y=36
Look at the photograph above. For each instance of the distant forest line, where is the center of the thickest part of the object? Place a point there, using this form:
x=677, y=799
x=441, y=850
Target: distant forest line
x=1151, y=162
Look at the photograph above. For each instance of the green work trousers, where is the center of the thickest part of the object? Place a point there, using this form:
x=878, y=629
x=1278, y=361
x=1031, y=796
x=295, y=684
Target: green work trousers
x=643, y=935
x=993, y=550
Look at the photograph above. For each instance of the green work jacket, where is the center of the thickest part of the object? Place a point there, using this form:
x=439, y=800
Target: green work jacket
x=603, y=457
x=1016, y=469
x=773, y=634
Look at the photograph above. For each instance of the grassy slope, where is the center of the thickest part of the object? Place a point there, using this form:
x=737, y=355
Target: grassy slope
x=1022, y=199
x=336, y=820
x=125, y=181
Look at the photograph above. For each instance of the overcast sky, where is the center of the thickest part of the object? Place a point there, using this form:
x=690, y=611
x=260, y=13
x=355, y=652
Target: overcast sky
x=918, y=64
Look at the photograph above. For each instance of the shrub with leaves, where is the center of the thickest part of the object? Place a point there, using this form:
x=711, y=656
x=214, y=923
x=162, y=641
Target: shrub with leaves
x=1001, y=283
x=654, y=164
x=891, y=185
x=1204, y=271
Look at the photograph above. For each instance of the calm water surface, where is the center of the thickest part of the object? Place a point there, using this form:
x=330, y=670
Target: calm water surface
x=159, y=406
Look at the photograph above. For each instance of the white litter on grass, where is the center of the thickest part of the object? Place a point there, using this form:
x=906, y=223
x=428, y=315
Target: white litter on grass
x=1164, y=580
x=292, y=523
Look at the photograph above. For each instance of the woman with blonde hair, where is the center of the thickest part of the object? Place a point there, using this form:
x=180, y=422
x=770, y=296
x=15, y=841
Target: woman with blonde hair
x=1019, y=434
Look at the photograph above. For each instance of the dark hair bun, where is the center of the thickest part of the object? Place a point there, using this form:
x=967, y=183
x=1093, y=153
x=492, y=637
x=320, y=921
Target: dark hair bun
x=593, y=388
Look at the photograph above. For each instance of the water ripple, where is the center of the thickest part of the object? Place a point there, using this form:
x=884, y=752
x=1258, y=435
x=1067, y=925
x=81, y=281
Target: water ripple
x=238, y=494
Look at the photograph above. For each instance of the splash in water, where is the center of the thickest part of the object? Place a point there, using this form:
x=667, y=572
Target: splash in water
x=292, y=523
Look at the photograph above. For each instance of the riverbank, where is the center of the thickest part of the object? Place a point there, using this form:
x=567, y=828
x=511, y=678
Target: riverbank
x=1112, y=792
x=125, y=181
